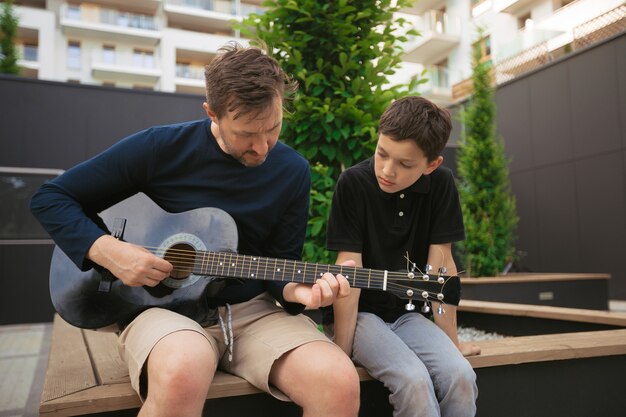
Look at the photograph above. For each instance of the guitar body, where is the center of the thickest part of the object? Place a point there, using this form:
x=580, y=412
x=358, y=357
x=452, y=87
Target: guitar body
x=94, y=299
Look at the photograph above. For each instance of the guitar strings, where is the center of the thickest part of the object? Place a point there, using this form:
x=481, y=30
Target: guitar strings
x=186, y=258
x=190, y=258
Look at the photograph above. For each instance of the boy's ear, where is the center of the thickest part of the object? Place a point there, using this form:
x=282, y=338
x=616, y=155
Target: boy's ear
x=433, y=165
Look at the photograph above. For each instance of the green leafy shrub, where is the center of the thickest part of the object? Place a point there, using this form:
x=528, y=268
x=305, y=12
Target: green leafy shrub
x=8, y=32
x=341, y=53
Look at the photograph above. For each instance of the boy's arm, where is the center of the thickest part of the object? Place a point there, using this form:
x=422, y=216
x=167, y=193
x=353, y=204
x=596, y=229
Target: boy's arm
x=441, y=255
x=346, y=308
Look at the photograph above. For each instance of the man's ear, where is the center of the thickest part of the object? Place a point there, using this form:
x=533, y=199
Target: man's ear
x=209, y=112
x=433, y=165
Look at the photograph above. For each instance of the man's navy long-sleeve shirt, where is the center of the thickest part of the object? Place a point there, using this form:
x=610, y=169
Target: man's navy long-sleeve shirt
x=181, y=167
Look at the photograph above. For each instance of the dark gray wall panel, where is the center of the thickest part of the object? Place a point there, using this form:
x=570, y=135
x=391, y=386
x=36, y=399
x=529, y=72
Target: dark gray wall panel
x=513, y=117
x=550, y=122
x=559, y=247
x=602, y=206
x=57, y=125
x=620, y=53
x=572, y=179
x=594, y=101
x=527, y=231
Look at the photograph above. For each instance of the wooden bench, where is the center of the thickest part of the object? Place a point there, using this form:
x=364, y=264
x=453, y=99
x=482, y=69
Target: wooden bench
x=86, y=375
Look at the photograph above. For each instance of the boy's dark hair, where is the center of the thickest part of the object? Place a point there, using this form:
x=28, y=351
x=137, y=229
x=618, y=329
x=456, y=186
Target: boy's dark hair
x=245, y=81
x=419, y=120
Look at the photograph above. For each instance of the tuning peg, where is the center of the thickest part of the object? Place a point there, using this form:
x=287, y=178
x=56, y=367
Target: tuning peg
x=425, y=308
x=442, y=270
x=425, y=294
x=428, y=268
x=440, y=309
x=440, y=279
x=409, y=306
x=440, y=296
x=425, y=277
x=410, y=275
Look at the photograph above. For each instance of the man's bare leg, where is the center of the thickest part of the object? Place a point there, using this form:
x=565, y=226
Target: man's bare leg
x=320, y=378
x=181, y=367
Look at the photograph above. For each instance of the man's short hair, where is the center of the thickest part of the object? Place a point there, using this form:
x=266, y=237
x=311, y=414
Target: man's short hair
x=245, y=81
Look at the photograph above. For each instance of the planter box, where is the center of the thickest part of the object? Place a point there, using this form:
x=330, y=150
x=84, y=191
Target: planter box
x=588, y=291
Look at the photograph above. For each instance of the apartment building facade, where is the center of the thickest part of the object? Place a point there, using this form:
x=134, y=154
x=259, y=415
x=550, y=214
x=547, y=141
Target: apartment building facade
x=163, y=44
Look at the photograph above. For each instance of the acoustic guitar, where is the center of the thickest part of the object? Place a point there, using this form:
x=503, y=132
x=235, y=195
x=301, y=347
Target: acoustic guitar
x=201, y=244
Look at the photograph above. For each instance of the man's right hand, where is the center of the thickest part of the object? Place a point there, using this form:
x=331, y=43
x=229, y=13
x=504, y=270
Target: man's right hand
x=133, y=265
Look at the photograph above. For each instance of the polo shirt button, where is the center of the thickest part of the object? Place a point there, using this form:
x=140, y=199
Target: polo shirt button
x=401, y=195
x=401, y=214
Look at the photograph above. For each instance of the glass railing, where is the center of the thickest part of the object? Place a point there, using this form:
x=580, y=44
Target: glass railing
x=190, y=71
x=29, y=53
x=220, y=6
x=124, y=59
x=438, y=78
x=440, y=22
x=526, y=38
x=111, y=17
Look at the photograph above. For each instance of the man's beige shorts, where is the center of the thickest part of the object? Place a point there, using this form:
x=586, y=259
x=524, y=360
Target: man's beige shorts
x=262, y=332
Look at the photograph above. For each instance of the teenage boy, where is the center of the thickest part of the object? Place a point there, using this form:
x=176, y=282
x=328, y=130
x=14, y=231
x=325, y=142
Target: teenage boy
x=402, y=202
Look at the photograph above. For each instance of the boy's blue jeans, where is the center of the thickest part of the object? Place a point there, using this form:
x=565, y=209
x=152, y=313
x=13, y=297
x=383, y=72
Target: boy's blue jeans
x=424, y=371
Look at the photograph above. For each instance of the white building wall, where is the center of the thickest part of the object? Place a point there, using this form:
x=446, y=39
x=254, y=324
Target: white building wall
x=546, y=16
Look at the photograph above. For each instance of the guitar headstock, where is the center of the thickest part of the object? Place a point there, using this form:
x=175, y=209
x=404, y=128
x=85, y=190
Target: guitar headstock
x=425, y=287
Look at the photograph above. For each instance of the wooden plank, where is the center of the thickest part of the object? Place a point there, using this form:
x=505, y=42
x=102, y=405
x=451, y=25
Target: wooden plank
x=97, y=399
x=113, y=397
x=612, y=318
x=109, y=367
x=529, y=277
x=516, y=350
x=69, y=367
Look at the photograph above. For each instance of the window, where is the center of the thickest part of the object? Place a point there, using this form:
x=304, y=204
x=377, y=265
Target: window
x=108, y=54
x=484, y=48
x=17, y=186
x=31, y=52
x=440, y=74
x=73, y=55
x=562, y=3
x=523, y=21
x=143, y=58
x=183, y=70
x=73, y=11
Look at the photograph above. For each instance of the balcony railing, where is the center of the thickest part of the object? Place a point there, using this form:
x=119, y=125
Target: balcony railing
x=192, y=72
x=29, y=53
x=125, y=60
x=220, y=6
x=111, y=17
x=526, y=39
x=439, y=34
x=440, y=23
x=601, y=27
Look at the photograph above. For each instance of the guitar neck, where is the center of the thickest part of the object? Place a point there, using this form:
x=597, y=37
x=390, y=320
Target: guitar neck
x=233, y=265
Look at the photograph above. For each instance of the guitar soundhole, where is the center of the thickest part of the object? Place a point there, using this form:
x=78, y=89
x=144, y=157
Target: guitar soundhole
x=183, y=257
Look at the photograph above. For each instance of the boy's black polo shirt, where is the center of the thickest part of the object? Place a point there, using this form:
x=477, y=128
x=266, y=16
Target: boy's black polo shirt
x=383, y=227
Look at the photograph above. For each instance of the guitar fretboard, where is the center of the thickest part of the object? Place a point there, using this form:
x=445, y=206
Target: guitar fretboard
x=233, y=265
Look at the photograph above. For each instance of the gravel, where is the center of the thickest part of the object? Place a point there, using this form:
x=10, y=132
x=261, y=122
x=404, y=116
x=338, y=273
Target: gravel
x=467, y=334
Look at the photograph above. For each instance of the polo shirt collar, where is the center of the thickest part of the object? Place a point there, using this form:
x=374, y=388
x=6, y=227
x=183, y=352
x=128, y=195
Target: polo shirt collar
x=421, y=186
